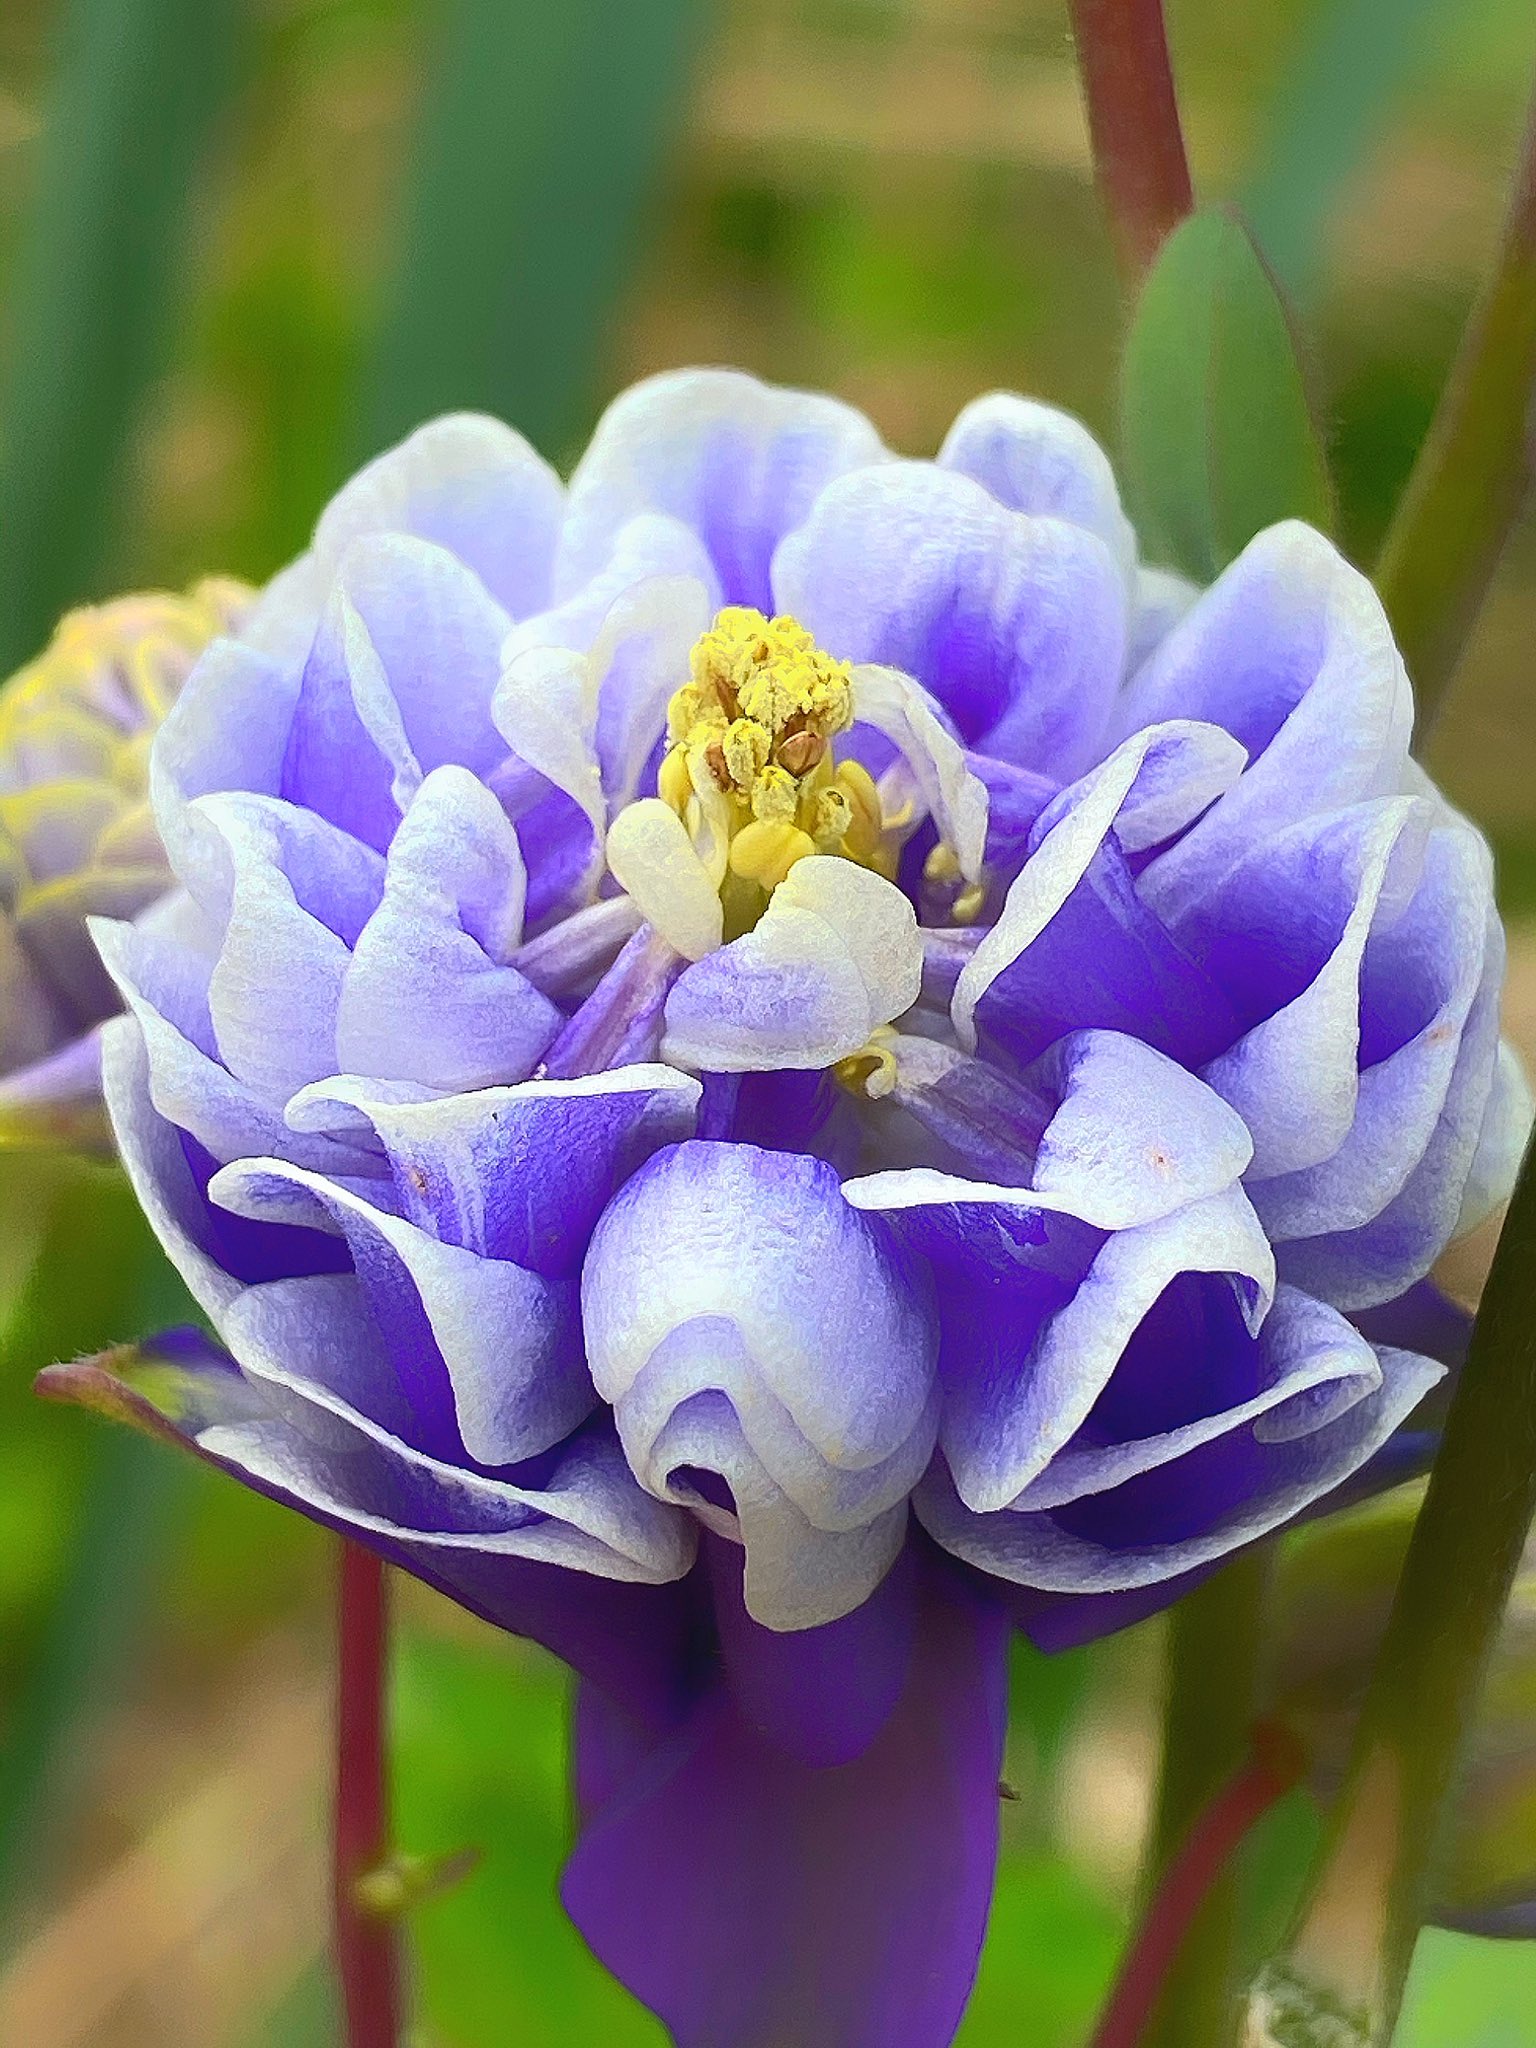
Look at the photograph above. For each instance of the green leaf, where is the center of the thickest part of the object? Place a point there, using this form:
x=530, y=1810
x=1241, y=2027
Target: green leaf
x=140, y=88
x=543, y=131
x=1219, y=437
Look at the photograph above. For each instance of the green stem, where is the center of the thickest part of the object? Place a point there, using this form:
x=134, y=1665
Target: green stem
x=366, y=1943
x=1214, y=1654
x=1349, y=1959
x=1474, y=470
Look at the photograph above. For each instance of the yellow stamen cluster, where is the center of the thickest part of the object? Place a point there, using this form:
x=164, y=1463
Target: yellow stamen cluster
x=751, y=735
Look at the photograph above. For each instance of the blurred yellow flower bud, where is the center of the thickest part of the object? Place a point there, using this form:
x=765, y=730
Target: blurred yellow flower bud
x=76, y=834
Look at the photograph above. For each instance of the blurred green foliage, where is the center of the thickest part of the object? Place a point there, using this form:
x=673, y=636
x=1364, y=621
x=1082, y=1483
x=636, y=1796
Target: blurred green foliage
x=140, y=88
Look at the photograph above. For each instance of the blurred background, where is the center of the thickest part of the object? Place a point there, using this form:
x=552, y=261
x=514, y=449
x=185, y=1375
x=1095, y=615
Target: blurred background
x=244, y=243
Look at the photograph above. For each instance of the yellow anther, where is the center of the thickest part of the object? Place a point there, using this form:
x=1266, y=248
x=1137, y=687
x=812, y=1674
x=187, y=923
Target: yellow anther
x=942, y=865
x=967, y=906
x=746, y=747
x=831, y=815
x=674, y=785
x=764, y=853
x=800, y=752
x=871, y=1071
x=775, y=796
x=688, y=709
x=750, y=767
x=772, y=672
x=866, y=824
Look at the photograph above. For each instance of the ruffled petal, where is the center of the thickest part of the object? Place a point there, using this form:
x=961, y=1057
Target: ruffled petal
x=739, y=462
x=1075, y=945
x=1294, y=1075
x=1195, y=1509
x=1305, y=1367
x=1386, y=909
x=744, y=1321
x=472, y=486
x=954, y=796
x=506, y=1339
x=835, y=955
x=228, y=730
x=188, y=1084
x=1037, y=1306
x=215, y=1253
x=587, y=720
x=1292, y=653
x=397, y=682
x=291, y=893
x=1034, y=458
x=519, y=1173
x=429, y=995
x=1359, y=1268
x=458, y=1530
x=1016, y=625
x=1135, y=1137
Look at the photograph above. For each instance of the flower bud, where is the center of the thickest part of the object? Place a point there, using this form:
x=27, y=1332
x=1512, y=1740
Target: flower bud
x=76, y=835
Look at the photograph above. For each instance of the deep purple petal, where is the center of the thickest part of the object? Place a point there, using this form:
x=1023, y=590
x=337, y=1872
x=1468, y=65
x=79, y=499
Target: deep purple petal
x=746, y=1898
x=820, y=1694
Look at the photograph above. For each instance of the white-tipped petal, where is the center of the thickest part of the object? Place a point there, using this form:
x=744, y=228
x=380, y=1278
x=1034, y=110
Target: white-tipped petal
x=654, y=861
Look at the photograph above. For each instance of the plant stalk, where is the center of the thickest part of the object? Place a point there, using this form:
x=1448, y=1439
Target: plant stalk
x=1133, y=123
x=1273, y=1767
x=1349, y=1958
x=366, y=1943
x=1214, y=1654
x=1473, y=473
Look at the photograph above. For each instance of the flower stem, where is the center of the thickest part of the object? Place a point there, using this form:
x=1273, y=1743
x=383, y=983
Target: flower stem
x=1133, y=122
x=1274, y=1765
x=1474, y=469
x=1348, y=1961
x=367, y=1958
x=1215, y=1640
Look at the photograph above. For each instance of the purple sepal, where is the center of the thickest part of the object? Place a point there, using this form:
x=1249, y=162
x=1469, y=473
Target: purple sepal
x=747, y=1897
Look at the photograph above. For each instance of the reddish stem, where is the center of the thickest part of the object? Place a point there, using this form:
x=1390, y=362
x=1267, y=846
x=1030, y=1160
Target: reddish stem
x=1133, y=122
x=367, y=1960
x=1274, y=1765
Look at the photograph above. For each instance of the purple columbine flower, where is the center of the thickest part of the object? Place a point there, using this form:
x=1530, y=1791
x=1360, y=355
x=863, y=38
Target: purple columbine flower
x=779, y=1060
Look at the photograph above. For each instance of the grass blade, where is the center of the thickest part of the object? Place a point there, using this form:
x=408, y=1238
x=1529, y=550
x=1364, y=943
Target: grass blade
x=140, y=86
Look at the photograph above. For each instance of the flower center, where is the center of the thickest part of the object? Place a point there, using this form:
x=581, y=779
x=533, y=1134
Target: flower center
x=751, y=751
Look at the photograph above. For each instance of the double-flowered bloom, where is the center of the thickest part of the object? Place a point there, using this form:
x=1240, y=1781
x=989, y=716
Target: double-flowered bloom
x=776, y=1061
